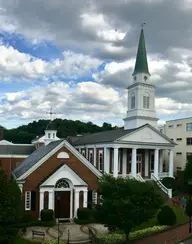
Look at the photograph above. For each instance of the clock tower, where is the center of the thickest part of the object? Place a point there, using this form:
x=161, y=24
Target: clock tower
x=141, y=93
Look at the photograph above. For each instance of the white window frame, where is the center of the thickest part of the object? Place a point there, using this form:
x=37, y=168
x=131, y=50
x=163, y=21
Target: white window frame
x=91, y=153
x=94, y=197
x=133, y=100
x=99, y=161
x=28, y=200
x=83, y=152
x=146, y=101
x=189, y=126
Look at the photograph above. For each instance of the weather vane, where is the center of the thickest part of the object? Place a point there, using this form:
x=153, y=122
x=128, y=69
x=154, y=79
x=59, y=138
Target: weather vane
x=143, y=24
x=51, y=113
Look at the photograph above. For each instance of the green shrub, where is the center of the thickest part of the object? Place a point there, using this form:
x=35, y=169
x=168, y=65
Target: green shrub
x=166, y=216
x=36, y=223
x=27, y=217
x=47, y=215
x=169, y=182
x=84, y=214
x=120, y=238
x=54, y=242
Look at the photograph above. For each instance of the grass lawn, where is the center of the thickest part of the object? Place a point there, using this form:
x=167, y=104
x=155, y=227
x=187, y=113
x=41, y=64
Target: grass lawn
x=180, y=219
x=18, y=240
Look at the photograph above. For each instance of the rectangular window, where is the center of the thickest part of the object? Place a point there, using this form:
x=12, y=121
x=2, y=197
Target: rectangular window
x=179, y=125
x=188, y=155
x=189, y=140
x=33, y=200
x=145, y=102
x=94, y=197
x=188, y=126
x=170, y=126
x=27, y=200
x=179, y=153
x=100, y=160
x=83, y=152
x=179, y=139
x=49, y=135
x=91, y=156
x=132, y=102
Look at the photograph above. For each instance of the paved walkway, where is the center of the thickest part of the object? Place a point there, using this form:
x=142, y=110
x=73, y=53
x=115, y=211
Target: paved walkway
x=77, y=233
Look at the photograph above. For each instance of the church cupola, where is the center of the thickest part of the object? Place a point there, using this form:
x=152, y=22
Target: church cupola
x=50, y=133
x=141, y=71
x=141, y=93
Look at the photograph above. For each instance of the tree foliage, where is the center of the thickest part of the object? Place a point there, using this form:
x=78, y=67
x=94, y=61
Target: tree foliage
x=189, y=207
x=128, y=203
x=26, y=133
x=188, y=176
x=10, y=207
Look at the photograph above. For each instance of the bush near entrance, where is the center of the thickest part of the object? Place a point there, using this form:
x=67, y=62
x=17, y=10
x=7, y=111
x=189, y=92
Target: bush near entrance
x=166, y=216
x=169, y=182
x=47, y=215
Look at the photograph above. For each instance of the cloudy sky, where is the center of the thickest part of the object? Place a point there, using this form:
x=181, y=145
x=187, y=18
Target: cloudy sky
x=77, y=56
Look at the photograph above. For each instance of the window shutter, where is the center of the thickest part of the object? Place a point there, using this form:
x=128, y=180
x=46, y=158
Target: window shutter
x=94, y=197
x=33, y=200
x=27, y=200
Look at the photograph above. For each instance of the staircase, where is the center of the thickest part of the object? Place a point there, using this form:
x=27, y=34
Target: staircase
x=163, y=188
x=139, y=177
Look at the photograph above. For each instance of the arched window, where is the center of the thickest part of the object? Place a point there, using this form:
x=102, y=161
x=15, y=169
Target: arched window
x=146, y=100
x=132, y=100
x=62, y=183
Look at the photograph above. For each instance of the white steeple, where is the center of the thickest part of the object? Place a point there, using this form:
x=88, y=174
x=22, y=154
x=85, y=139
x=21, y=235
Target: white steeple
x=141, y=94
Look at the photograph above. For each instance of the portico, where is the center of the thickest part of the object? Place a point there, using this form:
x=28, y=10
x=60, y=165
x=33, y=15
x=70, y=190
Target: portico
x=63, y=189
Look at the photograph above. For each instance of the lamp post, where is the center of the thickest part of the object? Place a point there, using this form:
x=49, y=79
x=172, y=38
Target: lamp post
x=58, y=200
x=188, y=209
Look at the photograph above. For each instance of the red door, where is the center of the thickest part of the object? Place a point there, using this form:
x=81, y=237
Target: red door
x=62, y=206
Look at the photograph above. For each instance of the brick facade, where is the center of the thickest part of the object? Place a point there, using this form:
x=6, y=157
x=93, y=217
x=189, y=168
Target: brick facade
x=8, y=164
x=34, y=180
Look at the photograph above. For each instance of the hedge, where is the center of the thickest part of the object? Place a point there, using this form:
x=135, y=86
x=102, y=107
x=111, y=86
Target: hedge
x=166, y=216
x=120, y=238
x=47, y=215
x=37, y=223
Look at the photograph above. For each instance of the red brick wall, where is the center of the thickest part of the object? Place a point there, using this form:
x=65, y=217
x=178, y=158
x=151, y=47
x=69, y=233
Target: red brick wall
x=8, y=164
x=33, y=180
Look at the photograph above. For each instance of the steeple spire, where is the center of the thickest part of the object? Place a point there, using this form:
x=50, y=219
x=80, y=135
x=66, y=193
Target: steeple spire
x=141, y=65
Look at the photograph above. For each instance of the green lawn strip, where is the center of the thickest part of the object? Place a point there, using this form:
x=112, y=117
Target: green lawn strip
x=19, y=240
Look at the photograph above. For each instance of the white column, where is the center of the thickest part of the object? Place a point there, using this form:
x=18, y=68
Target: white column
x=76, y=201
x=85, y=192
x=146, y=162
x=51, y=200
x=124, y=171
x=106, y=160
x=156, y=163
x=170, y=163
x=86, y=153
x=95, y=156
x=160, y=161
x=134, y=162
x=115, y=162
x=41, y=202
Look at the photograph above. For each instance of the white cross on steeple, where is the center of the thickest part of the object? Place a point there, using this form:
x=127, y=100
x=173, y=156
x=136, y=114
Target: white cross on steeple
x=50, y=113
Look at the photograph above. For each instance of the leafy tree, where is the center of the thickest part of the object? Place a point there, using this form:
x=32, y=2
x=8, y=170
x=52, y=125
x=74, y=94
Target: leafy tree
x=127, y=203
x=188, y=176
x=10, y=207
x=189, y=207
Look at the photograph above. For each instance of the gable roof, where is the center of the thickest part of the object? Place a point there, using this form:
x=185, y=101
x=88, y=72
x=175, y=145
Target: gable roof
x=34, y=158
x=16, y=149
x=45, y=152
x=100, y=137
x=111, y=136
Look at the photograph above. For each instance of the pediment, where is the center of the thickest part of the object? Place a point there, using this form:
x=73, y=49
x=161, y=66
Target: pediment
x=145, y=135
x=64, y=172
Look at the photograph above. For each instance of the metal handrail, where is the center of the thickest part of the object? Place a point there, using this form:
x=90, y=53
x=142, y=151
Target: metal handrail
x=165, y=189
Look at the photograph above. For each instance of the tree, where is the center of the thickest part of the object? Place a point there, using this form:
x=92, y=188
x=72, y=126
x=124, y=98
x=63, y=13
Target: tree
x=10, y=207
x=127, y=203
x=166, y=216
x=187, y=176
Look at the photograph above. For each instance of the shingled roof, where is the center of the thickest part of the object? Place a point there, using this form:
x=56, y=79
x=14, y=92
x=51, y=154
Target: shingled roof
x=34, y=158
x=100, y=137
x=16, y=149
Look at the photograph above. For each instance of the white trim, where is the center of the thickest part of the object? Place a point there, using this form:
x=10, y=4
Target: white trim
x=70, y=171
x=52, y=152
x=13, y=156
x=28, y=198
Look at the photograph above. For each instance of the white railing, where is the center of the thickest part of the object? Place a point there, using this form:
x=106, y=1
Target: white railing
x=129, y=176
x=139, y=177
x=163, y=175
x=163, y=188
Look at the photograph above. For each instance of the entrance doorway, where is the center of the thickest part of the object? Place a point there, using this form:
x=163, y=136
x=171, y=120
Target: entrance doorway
x=62, y=204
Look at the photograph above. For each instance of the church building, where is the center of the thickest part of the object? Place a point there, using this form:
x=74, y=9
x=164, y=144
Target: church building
x=63, y=174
